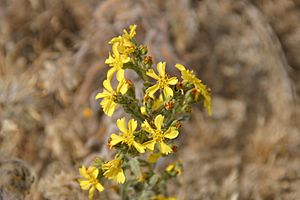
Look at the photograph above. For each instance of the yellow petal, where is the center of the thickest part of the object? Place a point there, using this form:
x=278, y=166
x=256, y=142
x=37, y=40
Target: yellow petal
x=107, y=85
x=170, y=168
x=120, y=74
x=121, y=123
x=132, y=30
x=157, y=102
x=164, y=148
x=103, y=94
x=180, y=67
x=172, y=81
x=110, y=73
x=151, y=90
x=99, y=187
x=132, y=124
x=161, y=68
x=139, y=147
x=159, y=121
x=146, y=126
x=91, y=192
x=168, y=92
x=109, y=60
x=120, y=177
x=115, y=139
x=114, y=40
x=85, y=184
x=152, y=74
x=122, y=87
x=109, y=107
x=94, y=171
x=150, y=145
x=82, y=172
x=171, y=133
x=143, y=110
x=115, y=49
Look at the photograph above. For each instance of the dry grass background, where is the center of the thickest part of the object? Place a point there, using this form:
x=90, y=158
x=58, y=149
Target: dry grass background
x=51, y=66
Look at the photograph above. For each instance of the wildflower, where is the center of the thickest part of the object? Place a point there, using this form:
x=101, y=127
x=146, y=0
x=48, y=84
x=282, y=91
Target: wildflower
x=124, y=44
x=174, y=168
x=90, y=182
x=190, y=77
x=127, y=137
x=114, y=170
x=131, y=33
x=109, y=96
x=163, y=81
x=116, y=61
x=158, y=135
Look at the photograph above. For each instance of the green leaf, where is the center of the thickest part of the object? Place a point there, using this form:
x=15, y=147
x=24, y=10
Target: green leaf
x=135, y=167
x=153, y=180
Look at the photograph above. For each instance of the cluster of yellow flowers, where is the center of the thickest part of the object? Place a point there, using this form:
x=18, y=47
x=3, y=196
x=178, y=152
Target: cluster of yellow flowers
x=155, y=122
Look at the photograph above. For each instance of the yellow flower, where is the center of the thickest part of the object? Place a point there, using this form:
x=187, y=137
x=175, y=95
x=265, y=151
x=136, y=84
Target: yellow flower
x=116, y=61
x=109, y=95
x=160, y=197
x=159, y=135
x=124, y=43
x=131, y=33
x=90, y=182
x=163, y=81
x=127, y=137
x=190, y=77
x=113, y=170
x=174, y=168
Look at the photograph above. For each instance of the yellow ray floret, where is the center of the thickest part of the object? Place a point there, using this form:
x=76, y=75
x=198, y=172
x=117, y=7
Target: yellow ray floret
x=90, y=181
x=127, y=137
x=190, y=77
x=109, y=95
x=158, y=135
x=113, y=170
x=124, y=43
x=163, y=81
x=116, y=62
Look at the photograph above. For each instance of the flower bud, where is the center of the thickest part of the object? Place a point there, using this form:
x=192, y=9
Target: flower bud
x=143, y=49
x=148, y=60
x=169, y=105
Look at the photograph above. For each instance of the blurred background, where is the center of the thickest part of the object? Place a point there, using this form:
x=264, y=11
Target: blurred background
x=248, y=52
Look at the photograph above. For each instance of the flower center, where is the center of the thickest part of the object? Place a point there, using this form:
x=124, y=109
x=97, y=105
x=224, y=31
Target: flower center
x=158, y=135
x=129, y=138
x=162, y=81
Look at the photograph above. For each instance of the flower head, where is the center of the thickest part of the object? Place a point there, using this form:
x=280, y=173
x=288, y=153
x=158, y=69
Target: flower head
x=122, y=46
x=116, y=61
x=190, y=77
x=113, y=170
x=127, y=137
x=90, y=181
x=109, y=96
x=174, y=168
x=163, y=81
x=158, y=135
